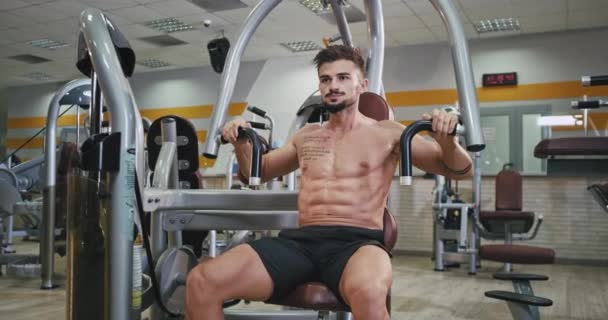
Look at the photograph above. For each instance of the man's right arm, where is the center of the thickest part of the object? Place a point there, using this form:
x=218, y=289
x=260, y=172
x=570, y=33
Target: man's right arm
x=276, y=163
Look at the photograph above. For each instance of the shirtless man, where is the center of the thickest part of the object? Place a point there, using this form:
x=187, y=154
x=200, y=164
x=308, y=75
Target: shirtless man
x=347, y=165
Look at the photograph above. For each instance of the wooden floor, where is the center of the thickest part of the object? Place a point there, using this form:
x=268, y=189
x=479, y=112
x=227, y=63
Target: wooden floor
x=578, y=293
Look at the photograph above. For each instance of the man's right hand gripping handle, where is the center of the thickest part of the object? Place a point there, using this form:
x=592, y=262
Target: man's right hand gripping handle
x=230, y=131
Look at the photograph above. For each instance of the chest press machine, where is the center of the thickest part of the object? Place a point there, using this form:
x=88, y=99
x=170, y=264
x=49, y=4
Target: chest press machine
x=206, y=209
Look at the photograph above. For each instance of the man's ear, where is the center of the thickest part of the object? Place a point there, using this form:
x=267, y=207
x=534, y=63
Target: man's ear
x=364, y=84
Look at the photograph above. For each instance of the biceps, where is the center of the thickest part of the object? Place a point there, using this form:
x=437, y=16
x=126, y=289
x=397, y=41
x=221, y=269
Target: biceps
x=426, y=155
x=279, y=162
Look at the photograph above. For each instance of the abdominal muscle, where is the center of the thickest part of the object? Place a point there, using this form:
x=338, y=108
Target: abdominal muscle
x=346, y=181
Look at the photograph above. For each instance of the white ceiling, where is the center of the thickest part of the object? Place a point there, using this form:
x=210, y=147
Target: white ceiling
x=406, y=22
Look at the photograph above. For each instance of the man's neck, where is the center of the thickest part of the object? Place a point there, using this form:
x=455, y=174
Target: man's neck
x=344, y=120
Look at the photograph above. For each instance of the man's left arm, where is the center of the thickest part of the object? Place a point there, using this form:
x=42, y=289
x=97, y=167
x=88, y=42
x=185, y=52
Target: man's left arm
x=443, y=154
x=451, y=160
x=454, y=162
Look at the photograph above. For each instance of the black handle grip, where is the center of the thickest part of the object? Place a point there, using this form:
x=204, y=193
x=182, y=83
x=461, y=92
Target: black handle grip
x=256, y=150
x=406, y=143
x=589, y=104
x=257, y=111
x=257, y=125
x=595, y=80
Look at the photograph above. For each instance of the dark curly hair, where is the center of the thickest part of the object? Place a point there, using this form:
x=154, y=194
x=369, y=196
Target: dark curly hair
x=340, y=52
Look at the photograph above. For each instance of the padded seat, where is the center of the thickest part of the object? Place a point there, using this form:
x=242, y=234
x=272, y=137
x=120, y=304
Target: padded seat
x=494, y=221
x=314, y=295
x=571, y=146
x=511, y=253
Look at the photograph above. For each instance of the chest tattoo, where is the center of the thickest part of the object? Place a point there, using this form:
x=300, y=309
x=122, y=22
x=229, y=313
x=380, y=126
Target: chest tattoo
x=315, y=147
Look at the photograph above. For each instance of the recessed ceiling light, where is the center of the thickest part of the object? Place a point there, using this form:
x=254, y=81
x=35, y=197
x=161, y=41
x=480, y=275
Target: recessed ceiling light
x=154, y=63
x=169, y=25
x=319, y=6
x=48, y=44
x=39, y=76
x=301, y=46
x=498, y=25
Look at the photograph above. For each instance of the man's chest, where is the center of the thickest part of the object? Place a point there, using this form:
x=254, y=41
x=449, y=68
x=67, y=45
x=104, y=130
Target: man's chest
x=355, y=153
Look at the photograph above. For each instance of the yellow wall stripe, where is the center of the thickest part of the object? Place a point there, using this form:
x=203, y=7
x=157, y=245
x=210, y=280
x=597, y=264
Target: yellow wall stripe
x=206, y=162
x=535, y=91
x=190, y=112
x=420, y=98
x=40, y=122
x=14, y=143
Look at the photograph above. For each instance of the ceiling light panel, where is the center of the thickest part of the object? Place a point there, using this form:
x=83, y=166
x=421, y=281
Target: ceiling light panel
x=48, y=44
x=38, y=76
x=301, y=46
x=154, y=63
x=315, y=6
x=169, y=25
x=498, y=25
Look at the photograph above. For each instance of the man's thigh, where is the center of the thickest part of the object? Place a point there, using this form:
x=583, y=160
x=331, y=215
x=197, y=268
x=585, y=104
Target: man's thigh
x=369, y=265
x=287, y=263
x=237, y=273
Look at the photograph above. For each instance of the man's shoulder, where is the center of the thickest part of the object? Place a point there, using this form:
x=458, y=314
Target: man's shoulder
x=309, y=128
x=390, y=125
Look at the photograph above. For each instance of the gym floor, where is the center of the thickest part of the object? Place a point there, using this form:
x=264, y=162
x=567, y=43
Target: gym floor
x=578, y=292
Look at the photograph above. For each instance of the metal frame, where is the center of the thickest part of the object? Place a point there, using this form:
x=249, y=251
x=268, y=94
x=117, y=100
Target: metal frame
x=47, y=239
x=127, y=120
x=465, y=82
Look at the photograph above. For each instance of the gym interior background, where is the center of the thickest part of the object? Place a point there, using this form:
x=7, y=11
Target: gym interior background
x=558, y=41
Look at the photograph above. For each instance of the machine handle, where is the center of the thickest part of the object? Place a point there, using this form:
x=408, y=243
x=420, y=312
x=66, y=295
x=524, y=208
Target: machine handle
x=589, y=81
x=257, y=111
x=589, y=104
x=258, y=125
x=406, y=146
x=256, y=153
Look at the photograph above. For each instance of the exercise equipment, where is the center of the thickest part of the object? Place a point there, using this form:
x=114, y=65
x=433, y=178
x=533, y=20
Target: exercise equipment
x=576, y=156
x=508, y=221
x=455, y=236
x=580, y=155
x=100, y=46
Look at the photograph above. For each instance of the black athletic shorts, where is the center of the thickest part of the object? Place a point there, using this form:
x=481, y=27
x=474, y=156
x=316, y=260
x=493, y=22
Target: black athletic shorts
x=312, y=253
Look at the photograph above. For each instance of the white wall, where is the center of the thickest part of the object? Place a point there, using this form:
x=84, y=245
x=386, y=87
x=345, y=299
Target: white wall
x=282, y=87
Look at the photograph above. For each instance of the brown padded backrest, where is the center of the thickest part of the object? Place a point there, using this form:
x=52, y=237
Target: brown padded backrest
x=508, y=190
x=374, y=106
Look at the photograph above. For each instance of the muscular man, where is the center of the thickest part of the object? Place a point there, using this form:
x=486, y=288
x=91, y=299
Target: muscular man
x=347, y=165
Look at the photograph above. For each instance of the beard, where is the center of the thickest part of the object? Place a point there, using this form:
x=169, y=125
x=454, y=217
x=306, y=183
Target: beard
x=333, y=108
